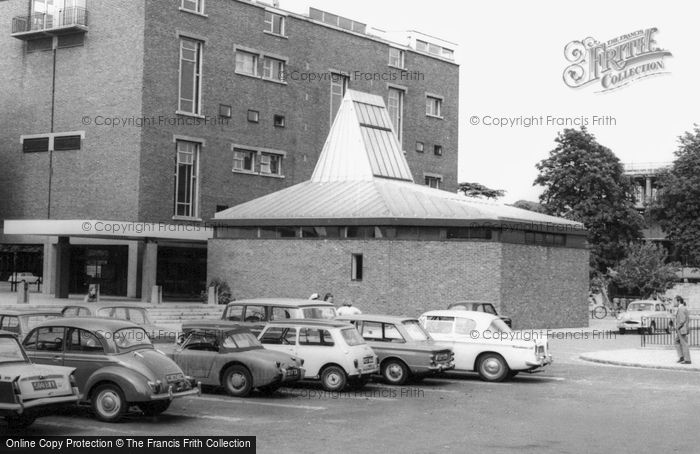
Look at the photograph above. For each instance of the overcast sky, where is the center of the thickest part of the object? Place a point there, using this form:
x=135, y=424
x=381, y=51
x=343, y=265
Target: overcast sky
x=512, y=59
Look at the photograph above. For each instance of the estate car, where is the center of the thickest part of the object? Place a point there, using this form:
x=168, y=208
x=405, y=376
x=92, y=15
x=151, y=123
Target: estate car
x=22, y=321
x=130, y=312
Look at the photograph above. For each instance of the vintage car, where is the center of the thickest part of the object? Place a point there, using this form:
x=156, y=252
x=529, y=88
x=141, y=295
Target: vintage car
x=131, y=312
x=480, y=306
x=333, y=351
x=22, y=321
x=644, y=315
x=255, y=313
x=27, y=277
x=484, y=343
x=116, y=365
x=30, y=390
x=234, y=359
x=404, y=348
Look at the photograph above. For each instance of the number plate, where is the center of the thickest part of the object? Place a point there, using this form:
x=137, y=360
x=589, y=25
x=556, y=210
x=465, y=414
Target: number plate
x=368, y=360
x=174, y=377
x=43, y=385
x=292, y=372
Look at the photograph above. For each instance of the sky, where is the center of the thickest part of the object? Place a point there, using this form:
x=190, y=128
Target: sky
x=511, y=56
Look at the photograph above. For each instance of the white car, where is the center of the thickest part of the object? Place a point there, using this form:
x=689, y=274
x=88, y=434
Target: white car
x=644, y=315
x=333, y=351
x=483, y=343
x=29, y=278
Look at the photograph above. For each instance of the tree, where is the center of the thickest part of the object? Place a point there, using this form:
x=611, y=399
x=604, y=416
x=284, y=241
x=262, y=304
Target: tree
x=530, y=206
x=584, y=181
x=677, y=206
x=644, y=270
x=479, y=190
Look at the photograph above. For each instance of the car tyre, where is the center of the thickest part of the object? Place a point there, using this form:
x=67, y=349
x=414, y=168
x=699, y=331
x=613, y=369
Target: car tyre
x=395, y=372
x=154, y=408
x=333, y=378
x=492, y=367
x=20, y=421
x=108, y=403
x=237, y=381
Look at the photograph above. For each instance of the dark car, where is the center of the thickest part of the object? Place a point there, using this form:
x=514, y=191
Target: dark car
x=22, y=321
x=233, y=358
x=116, y=364
x=131, y=312
x=480, y=306
x=404, y=348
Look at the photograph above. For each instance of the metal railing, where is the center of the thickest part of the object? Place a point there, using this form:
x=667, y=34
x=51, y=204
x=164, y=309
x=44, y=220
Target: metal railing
x=665, y=334
x=42, y=21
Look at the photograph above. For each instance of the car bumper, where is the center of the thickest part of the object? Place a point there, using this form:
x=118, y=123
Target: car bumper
x=170, y=395
x=284, y=377
x=36, y=404
x=442, y=367
x=363, y=372
x=540, y=362
x=630, y=325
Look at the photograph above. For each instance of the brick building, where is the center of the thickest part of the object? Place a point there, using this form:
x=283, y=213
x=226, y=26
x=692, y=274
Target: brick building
x=124, y=112
x=362, y=229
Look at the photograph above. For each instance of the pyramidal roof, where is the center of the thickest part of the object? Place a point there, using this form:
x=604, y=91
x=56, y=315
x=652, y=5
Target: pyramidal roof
x=362, y=177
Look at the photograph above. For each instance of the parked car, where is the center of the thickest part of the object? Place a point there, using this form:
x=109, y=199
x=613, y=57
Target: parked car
x=404, y=348
x=333, y=351
x=120, y=311
x=22, y=321
x=116, y=364
x=28, y=390
x=256, y=313
x=484, y=343
x=236, y=360
x=480, y=306
x=644, y=315
x=27, y=277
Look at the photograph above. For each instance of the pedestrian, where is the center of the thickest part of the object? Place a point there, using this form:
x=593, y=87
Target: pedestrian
x=328, y=298
x=92, y=296
x=348, y=309
x=681, y=326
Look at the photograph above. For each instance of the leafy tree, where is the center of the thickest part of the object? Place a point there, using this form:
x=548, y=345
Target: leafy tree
x=644, y=270
x=479, y=190
x=584, y=181
x=677, y=206
x=530, y=206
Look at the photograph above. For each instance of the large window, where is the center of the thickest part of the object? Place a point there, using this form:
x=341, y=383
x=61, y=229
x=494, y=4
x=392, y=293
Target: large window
x=339, y=85
x=190, y=75
x=395, y=108
x=264, y=162
x=273, y=68
x=186, y=179
x=274, y=23
x=196, y=6
x=243, y=160
x=433, y=106
x=246, y=63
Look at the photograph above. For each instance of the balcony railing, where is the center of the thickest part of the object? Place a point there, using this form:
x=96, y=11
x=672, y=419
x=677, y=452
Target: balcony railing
x=66, y=21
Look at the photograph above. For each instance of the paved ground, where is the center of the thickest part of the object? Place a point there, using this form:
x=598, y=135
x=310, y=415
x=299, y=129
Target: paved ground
x=573, y=407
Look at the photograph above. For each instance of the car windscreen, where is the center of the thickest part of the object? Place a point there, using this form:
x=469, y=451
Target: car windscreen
x=128, y=338
x=640, y=307
x=352, y=337
x=30, y=321
x=415, y=331
x=319, y=312
x=241, y=340
x=499, y=326
x=10, y=351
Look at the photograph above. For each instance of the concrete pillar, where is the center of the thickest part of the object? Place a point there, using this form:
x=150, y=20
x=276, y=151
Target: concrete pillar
x=647, y=191
x=148, y=269
x=62, y=282
x=49, y=267
x=133, y=282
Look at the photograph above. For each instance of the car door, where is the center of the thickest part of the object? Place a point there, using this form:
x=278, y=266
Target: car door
x=45, y=345
x=315, y=346
x=197, y=355
x=86, y=352
x=280, y=339
x=468, y=343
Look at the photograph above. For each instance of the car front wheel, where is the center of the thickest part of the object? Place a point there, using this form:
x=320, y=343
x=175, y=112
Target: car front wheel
x=395, y=372
x=108, y=403
x=154, y=408
x=237, y=381
x=492, y=367
x=333, y=378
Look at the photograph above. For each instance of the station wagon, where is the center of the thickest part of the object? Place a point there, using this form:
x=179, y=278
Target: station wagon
x=131, y=312
x=22, y=321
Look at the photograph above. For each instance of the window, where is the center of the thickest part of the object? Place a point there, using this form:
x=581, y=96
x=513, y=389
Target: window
x=433, y=182
x=273, y=68
x=190, y=75
x=356, y=273
x=372, y=331
x=420, y=147
x=434, y=49
x=273, y=336
x=38, y=145
x=270, y=164
x=397, y=57
x=466, y=233
x=253, y=116
x=439, y=324
x=339, y=85
x=421, y=46
x=279, y=121
x=315, y=336
x=196, y=6
x=545, y=239
x=65, y=143
x=433, y=106
x=50, y=339
x=243, y=160
x=10, y=323
x=234, y=313
x=437, y=150
x=221, y=208
x=255, y=314
x=225, y=110
x=246, y=63
x=83, y=341
x=186, y=178
x=395, y=108
x=274, y=23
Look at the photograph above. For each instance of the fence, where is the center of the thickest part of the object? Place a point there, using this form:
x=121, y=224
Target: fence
x=666, y=335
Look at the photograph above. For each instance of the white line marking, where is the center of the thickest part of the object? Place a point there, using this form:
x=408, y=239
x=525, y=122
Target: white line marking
x=205, y=416
x=266, y=404
x=82, y=426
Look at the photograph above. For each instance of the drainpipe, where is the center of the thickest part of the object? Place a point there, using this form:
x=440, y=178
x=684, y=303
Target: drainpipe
x=53, y=108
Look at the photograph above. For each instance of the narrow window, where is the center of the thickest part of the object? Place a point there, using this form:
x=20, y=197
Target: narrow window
x=397, y=57
x=339, y=85
x=243, y=160
x=433, y=106
x=274, y=23
x=395, y=108
x=273, y=68
x=190, y=75
x=186, y=178
x=356, y=267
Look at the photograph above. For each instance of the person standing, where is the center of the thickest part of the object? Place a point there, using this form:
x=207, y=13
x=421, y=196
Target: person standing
x=348, y=309
x=328, y=298
x=681, y=325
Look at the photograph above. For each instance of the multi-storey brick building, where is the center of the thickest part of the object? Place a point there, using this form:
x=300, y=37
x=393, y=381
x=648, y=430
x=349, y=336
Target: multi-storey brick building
x=165, y=112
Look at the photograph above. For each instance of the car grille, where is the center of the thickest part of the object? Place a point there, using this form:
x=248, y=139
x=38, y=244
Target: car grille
x=179, y=386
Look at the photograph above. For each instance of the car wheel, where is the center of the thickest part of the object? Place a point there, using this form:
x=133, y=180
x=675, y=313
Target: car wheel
x=20, y=422
x=622, y=330
x=395, y=372
x=108, y=403
x=154, y=408
x=333, y=378
x=492, y=367
x=237, y=381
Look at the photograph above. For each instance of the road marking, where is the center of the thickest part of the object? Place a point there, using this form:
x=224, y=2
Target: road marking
x=205, y=416
x=82, y=426
x=265, y=404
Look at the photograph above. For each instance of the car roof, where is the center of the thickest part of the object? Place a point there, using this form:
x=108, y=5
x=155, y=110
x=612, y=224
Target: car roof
x=284, y=302
x=469, y=302
x=309, y=322
x=218, y=329
x=90, y=323
x=380, y=318
x=29, y=312
x=107, y=304
x=484, y=316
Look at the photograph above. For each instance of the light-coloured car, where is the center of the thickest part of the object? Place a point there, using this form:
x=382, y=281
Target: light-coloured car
x=480, y=306
x=333, y=351
x=27, y=277
x=30, y=390
x=22, y=321
x=483, y=343
x=644, y=316
x=120, y=311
